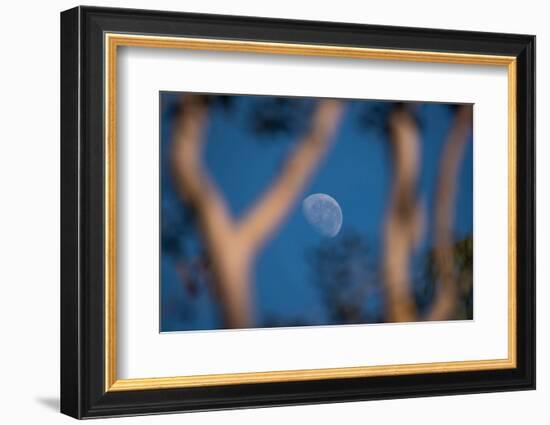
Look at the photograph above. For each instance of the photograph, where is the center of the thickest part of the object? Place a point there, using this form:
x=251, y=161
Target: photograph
x=284, y=210
x=293, y=211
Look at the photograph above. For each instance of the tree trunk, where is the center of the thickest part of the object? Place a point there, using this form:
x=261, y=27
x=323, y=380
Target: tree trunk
x=232, y=271
x=233, y=245
x=444, y=305
x=403, y=223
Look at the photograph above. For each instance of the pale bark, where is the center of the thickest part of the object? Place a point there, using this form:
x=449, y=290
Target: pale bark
x=233, y=244
x=444, y=305
x=404, y=221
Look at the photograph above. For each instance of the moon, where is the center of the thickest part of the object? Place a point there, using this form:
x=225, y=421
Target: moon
x=323, y=213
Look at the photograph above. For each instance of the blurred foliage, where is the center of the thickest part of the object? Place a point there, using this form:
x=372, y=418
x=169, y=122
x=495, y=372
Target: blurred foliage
x=373, y=117
x=344, y=270
x=276, y=321
x=190, y=264
x=351, y=290
x=463, y=269
x=268, y=116
x=344, y=273
x=273, y=116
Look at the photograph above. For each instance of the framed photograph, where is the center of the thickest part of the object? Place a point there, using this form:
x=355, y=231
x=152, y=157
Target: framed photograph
x=263, y=212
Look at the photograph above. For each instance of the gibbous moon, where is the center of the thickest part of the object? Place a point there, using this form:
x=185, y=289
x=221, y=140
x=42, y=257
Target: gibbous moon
x=323, y=213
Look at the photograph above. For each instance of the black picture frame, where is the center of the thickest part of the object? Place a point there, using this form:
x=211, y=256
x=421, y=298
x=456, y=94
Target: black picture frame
x=83, y=392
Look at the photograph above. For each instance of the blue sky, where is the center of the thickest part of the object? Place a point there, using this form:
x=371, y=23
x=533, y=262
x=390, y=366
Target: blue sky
x=356, y=172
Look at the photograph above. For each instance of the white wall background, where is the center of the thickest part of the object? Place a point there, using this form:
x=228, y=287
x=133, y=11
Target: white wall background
x=29, y=209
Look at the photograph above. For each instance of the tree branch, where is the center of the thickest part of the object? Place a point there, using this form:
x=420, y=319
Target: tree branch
x=192, y=181
x=444, y=304
x=268, y=212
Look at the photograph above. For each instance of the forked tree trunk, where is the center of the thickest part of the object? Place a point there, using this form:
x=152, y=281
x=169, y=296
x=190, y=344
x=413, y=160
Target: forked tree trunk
x=233, y=244
x=404, y=219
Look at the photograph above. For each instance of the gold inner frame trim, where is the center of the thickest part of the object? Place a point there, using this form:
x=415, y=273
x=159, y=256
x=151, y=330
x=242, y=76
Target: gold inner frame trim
x=113, y=41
